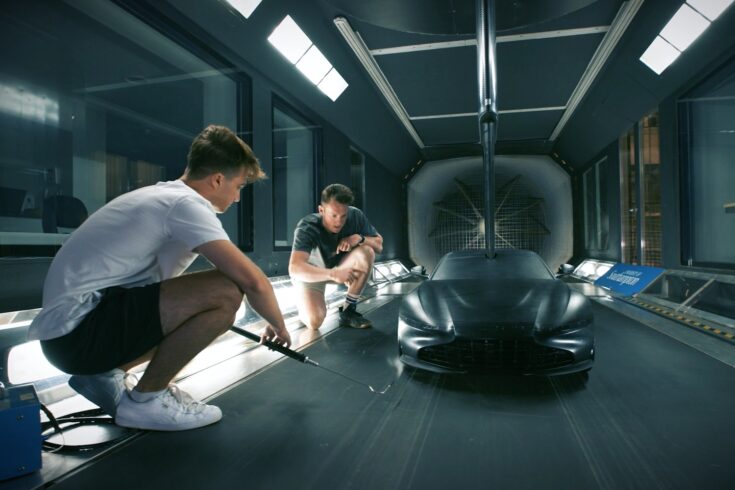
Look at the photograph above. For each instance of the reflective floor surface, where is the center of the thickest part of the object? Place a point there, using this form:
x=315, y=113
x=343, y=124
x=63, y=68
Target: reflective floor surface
x=654, y=413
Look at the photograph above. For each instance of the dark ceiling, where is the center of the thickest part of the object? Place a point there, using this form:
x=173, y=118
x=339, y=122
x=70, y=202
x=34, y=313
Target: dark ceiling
x=540, y=64
x=426, y=52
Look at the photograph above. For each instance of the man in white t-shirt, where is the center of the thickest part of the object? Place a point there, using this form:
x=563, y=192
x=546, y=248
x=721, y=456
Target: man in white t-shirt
x=114, y=296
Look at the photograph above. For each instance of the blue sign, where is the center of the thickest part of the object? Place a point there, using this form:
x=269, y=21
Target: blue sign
x=628, y=279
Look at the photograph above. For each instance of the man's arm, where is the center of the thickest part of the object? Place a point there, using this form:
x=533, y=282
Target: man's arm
x=299, y=268
x=352, y=241
x=374, y=242
x=252, y=282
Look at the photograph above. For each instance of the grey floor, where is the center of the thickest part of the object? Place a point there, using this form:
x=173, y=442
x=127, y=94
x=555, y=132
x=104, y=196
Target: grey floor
x=654, y=413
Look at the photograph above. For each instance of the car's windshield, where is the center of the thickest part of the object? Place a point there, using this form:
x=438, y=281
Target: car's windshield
x=503, y=266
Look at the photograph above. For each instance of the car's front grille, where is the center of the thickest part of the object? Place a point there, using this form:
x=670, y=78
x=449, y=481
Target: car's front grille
x=495, y=355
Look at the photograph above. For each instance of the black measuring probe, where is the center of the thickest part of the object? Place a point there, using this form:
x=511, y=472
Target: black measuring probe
x=301, y=357
x=277, y=347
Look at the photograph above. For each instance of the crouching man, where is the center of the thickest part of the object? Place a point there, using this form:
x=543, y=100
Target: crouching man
x=114, y=296
x=338, y=244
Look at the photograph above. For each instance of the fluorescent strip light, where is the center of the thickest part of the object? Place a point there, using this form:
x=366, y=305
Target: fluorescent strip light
x=245, y=7
x=355, y=42
x=333, y=85
x=290, y=40
x=659, y=55
x=621, y=22
x=684, y=27
x=710, y=8
x=314, y=65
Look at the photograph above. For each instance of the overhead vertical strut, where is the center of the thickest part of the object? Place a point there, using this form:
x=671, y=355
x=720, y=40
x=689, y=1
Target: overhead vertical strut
x=488, y=111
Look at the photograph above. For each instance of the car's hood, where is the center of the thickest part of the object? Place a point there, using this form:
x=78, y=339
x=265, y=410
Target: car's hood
x=477, y=308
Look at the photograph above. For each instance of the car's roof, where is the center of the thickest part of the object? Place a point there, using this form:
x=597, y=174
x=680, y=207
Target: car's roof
x=507, y=264
x=481, y=253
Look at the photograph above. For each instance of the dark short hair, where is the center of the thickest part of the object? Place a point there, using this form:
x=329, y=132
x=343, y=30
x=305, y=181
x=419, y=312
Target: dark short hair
x=340, y=193
x=218, y=149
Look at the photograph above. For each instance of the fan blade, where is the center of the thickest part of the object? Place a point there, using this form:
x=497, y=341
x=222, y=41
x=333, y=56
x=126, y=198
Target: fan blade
x=498, y=235
x=465, y=190
x=517, y=211
x=454, y=213
x=510, y=184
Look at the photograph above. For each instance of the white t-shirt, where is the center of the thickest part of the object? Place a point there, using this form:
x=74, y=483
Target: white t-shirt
x=140, y=238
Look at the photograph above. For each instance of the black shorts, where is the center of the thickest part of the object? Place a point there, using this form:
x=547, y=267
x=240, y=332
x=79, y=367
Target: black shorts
x=124, y=325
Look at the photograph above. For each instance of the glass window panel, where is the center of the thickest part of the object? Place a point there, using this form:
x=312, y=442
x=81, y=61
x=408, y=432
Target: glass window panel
x=601, y=213
x=294, y=163
x=357, y=171
x=588, y=186
x=95, y=103
x=596, y=218
x=707, y=136
x=675, y=288
x=651, y=168
x=628, y=199
x=718, y=298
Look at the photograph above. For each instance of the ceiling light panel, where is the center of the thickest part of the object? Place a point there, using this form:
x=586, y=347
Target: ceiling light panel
x=710, y=8
x=314, y=65
x=333, y=85
x=684, y=27
x=659, y=55
x=290, y=40
x=245, y=7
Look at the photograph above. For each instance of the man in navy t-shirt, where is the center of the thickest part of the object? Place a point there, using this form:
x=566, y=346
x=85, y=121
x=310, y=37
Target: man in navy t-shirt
x=337, y=244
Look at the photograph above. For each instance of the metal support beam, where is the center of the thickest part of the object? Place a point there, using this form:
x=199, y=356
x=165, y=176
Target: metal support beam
x=488, y=110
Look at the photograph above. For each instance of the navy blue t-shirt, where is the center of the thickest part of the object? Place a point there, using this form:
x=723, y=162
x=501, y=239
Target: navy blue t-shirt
x=311, y=234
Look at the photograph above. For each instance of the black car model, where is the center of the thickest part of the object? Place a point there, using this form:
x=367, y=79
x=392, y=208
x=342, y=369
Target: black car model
x=505, y=314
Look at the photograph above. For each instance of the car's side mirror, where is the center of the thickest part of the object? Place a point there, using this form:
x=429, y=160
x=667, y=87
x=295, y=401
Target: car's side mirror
x=418, y=270
x=565, y=270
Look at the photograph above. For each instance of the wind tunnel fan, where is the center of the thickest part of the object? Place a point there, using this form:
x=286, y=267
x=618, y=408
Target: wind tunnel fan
x=532, y=208
x=459, y=222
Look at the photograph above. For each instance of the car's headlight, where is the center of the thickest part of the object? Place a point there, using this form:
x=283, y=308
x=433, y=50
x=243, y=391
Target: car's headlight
x=571, y=326
x=413, y=323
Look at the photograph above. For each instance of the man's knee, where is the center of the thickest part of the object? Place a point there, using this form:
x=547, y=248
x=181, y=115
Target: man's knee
x=223, y=293
x=313, y=319
x=316, y=320
x=365, y=257
x=230, y=295
x=369, y=254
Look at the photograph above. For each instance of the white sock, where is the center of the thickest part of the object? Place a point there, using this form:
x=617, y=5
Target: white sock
x=143, y=396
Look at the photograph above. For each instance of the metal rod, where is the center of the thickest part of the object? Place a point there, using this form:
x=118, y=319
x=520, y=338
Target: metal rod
x=298, y=356
x=381, y=392
x=488, y=111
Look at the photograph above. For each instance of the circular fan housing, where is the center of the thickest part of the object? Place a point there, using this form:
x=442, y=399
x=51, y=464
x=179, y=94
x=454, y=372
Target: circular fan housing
x=533, y=208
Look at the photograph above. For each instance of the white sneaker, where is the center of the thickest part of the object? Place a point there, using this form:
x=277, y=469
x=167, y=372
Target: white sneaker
x=173, y=409
x=105, y=389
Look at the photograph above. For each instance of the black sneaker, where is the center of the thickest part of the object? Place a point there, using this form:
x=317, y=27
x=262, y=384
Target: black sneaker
x=349, y=317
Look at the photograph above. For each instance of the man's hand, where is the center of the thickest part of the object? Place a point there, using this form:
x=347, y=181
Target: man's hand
x=343, y=276
x=348, y=243
x=281, y=337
